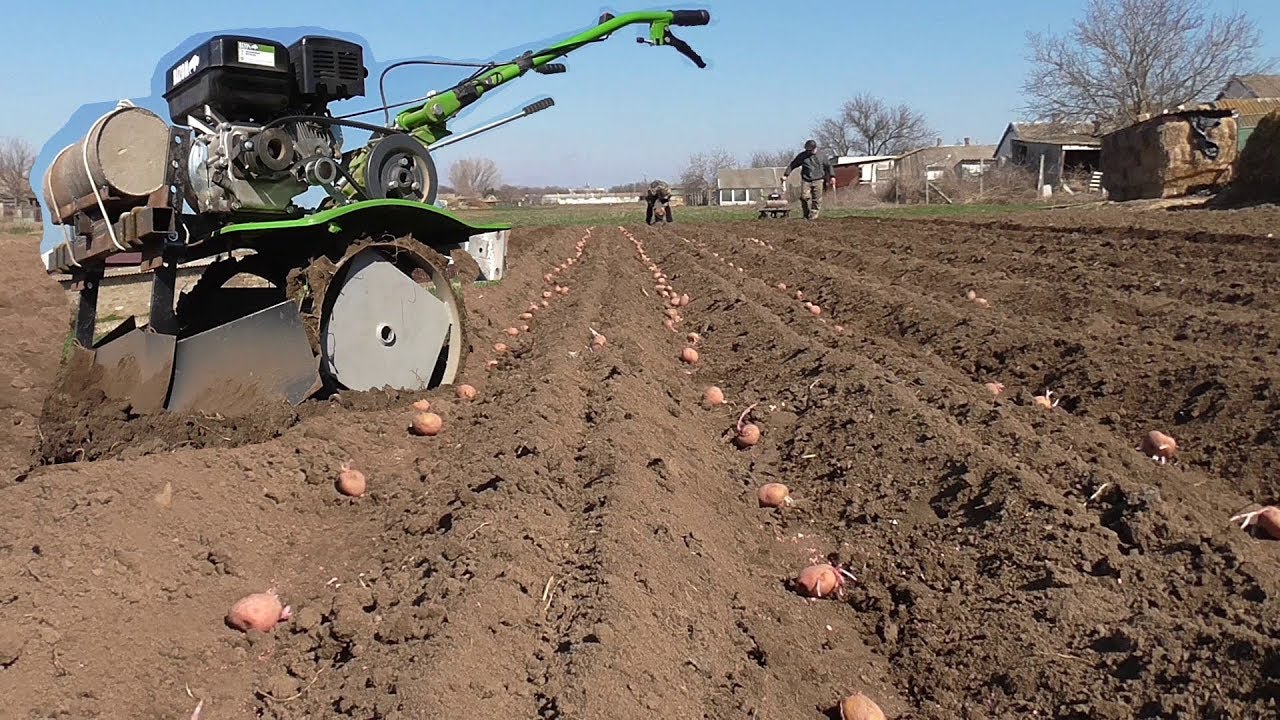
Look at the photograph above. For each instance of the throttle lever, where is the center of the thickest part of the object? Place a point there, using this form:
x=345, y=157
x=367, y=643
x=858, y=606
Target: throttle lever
x=684, y=49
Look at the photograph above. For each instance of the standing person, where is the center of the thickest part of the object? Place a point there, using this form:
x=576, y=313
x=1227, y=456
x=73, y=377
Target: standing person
x=815, y=174
x=659, y=196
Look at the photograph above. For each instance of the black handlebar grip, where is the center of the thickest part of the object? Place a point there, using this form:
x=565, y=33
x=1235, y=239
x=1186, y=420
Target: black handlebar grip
x=539, y=106
x=690, y=17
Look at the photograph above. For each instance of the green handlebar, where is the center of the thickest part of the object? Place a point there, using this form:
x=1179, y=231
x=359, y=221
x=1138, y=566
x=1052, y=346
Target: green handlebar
x=435, y=112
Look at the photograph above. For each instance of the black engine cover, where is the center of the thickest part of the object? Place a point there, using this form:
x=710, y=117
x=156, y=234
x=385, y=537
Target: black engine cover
x=327, y=69
x=244, y=79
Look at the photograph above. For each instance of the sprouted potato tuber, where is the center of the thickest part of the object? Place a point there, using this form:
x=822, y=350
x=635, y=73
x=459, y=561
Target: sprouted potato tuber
x=819, y=580
x=689, y=355
x=500, y=348
x=259, y=611
x=748, y=433
x=995, y=387
x=1158, y=446
x=774, y=495
x=714, y=396
x=351, y=482
x=422, y=405
x=1044, y=401
x=466, y=392
x=860, y=707
x=1268, y=519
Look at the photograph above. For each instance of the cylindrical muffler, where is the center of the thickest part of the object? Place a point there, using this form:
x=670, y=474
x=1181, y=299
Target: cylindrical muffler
x=126, y=152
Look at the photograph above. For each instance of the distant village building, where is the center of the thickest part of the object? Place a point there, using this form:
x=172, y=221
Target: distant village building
x=955, y=161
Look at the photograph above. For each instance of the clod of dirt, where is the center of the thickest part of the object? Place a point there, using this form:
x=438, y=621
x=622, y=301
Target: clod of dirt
x=11, y=645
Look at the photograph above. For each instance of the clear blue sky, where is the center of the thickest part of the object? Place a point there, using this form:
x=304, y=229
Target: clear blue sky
x=775, y=67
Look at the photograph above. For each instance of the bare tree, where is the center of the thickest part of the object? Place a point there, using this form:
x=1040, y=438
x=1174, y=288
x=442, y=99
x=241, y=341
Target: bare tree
x=16, y=159
x=474, y=177
x=876, y=128
x=1128, y=57
x=772, y=158
x=835, y=134
x=699, y=176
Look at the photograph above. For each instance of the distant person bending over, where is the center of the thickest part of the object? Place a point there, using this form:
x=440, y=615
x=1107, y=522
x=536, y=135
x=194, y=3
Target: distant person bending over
x=659, y=196
x=815, y=174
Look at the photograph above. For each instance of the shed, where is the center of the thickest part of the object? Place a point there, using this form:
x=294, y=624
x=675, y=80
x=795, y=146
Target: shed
x=862, y=169
x=1250, y=87
x=1065, y=147
x=958, y=161
x=748, y=186
x=1170, y=154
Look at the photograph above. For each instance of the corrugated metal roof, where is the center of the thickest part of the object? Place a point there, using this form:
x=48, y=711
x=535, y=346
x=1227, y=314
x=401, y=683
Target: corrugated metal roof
x=1251, y=110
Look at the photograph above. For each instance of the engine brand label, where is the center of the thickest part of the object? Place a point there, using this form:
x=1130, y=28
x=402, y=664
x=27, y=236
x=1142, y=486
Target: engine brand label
x=255, y=54
x=185, y=68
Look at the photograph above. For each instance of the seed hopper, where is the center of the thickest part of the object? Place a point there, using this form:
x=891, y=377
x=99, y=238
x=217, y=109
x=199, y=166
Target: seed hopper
x=359, y=292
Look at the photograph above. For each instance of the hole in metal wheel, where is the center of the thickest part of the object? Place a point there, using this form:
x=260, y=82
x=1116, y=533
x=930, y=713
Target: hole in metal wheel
x=386, y=335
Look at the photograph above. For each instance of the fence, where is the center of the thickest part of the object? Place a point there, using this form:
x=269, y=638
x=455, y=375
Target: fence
x=20, y=209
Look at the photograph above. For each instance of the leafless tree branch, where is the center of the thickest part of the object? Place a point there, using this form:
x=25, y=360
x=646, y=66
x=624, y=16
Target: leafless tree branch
x=772, y=158
x=867, y=125
x=700, y=173
x=16, y=159
x=1124, y=58
x=474, y=177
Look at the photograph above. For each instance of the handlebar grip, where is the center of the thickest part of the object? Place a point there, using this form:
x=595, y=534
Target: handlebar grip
x=539, y=106
x=690, y=17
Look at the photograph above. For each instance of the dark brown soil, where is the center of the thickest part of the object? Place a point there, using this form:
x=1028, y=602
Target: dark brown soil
x=35, y=319
x=583, y=540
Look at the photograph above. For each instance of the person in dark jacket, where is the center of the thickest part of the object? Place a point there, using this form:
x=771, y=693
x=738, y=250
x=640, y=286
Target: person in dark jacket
x=815, y=175
x=659, y=198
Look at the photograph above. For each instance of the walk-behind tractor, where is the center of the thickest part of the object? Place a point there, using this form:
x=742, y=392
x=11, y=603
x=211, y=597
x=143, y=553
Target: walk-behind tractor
x=776, y=205
x=356, y=293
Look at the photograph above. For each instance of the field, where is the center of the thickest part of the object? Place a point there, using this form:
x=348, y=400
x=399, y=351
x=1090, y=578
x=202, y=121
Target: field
x=583, y=540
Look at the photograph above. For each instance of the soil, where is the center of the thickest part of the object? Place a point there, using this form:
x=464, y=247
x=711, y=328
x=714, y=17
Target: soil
x=583, y=539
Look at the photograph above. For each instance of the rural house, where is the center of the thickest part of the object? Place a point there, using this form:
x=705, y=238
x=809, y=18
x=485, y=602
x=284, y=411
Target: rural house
x=748, y=186
x=1170, y=154
x=956, y=161
x=1065, y=149
x=1251, y=87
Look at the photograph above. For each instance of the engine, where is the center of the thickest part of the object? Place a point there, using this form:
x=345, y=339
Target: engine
x=258, y=111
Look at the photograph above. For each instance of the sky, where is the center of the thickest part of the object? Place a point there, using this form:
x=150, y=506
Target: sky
x=623, y=111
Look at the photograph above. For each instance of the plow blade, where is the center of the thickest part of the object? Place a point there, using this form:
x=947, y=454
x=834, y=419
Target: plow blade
x=135, y=365
x=230, y=369
x=260, y=357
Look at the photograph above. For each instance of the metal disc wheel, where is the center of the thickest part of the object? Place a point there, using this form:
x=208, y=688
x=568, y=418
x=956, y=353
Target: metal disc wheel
x=215, y=299
x=381, y=327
